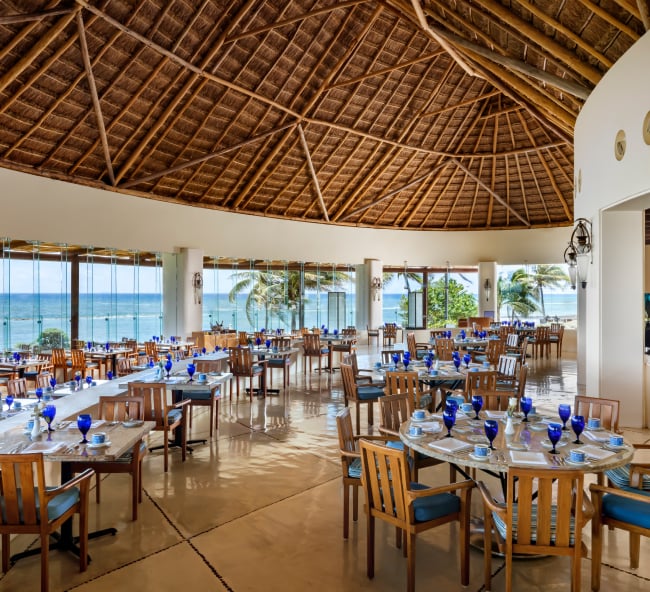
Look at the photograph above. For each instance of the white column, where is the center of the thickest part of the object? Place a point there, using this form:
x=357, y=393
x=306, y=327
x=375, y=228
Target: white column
x=374, y=292
x=487, y=276
x=182, y=292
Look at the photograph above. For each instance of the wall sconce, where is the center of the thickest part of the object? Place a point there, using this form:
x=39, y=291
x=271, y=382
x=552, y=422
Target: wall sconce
x=578, y=255
x=487, y=289
x=375, y=286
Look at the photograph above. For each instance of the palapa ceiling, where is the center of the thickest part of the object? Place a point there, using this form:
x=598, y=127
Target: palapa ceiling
x=446, y=114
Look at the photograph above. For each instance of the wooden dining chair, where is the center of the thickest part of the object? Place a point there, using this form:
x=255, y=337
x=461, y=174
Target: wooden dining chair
x=167, y=416
x=59, y=362
x=362, y=379
x=43, y=380
x=17, y=387
x=389, y=334
x=121, y=408
x=387, y=356
x=312, y=348
x=408, y=383
x=606, y=410
x=541, y=342
x=359, y=395
x=444, y=349
x=240, y=360
x=151, y=350
x=282, y=361
x=32, y=372
x=80, y=364
x=29, y=506
x=544, y=514
x=372, y=334
x=410, y=507
x=417, y=350
x=206, y=398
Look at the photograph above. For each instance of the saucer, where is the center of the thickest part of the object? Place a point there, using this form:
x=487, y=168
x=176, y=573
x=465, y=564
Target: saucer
x=200, y=382
x=538, y=427
x=479, y=458
x=416, y=437
x=547, y=443
x=132, y=424
x=614, y=448
x=425, y=418
x=575, y=463
x=598, y=429
x=102, y=445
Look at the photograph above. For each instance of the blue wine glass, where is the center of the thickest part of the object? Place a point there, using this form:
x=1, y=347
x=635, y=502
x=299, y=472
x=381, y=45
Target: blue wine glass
x=203, y=350
x=525, y=404
x=48, y=413
x=9, y=400
x=191, y=369
x=477, y=404
x=449, y=419
x=554, y=431
x=168, y=367
x=89, y=380
x=52, y=382
x=268, y=344
x=467, y=358
x=39, y=393
x=109, y=375
x=457, y=363
x=84, y=421
x=258, y=341
x=395, y=359
x=77, y=379
x=578, y=425
x=564, y=411
x=491, y=427
x=90, y=345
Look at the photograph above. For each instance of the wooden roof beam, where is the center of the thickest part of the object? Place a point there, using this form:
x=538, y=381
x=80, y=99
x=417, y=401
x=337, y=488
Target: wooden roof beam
x=644, y=11
x=34, y=16
x=464, y=103
x=312, y=172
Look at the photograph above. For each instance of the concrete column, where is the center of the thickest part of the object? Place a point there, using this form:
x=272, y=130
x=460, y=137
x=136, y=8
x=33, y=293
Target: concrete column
x=487, y=275
x=182, y=292
x=374, y=276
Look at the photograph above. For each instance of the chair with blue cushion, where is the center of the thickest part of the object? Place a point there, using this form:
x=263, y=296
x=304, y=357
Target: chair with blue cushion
x=410, y=507
x=359, y=394
x=544, y=514
x=312, y=348
x=168, y=416
x=240, y=360
x=627, y=509
x=121, y=408
x=28, y=506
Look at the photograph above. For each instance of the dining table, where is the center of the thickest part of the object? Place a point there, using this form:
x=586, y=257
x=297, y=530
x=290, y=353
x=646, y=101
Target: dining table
x=19, y=368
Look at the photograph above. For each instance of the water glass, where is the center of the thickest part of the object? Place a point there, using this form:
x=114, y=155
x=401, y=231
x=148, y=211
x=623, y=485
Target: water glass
x=9, y=400
x=449, y=419
x=525, y=404
x=554, y=431
x=491, y=427
x=191, y=369
x=578, y=426
x=477, y=404
x=168, y=367
x=49, y=413
x=84, y=421
x=564, y=411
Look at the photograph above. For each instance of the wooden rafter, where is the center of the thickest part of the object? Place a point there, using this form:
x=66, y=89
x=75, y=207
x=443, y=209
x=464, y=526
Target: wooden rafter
x=644, y=12
x=465, y=103
x=312, y=172
x=34, y=16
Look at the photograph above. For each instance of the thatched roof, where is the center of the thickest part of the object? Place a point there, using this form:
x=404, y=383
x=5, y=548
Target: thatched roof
x=445, y=114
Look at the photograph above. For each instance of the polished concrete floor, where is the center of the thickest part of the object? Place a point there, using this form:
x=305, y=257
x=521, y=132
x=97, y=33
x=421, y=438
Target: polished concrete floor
x=259, y=508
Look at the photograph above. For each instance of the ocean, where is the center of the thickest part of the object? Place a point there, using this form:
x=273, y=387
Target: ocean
x=109, y=317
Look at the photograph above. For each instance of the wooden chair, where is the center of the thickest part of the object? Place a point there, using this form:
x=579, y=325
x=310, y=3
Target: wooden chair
x=27, y=508
x=512, y=343
x=410, y=507
x=372, y=333
x=123, y=366
x=59, y=362
x=43, y=380
x=544, y=514
x=476, y=383
x=151, y=350
x=555, y=337
x=417, y=350
x=80, y=364
x=359, y=394
x=242, y=338
x=395, y=409
x=312, y=348
x=408, y=383
x=507, y=372
x=121, y=408
x=206, y=398
x=240, y=360
x=541, y=342
x=605, y=409
x=169, y=417
x=347, y=344
x=627, y=509
x=444, y=348
x=389, y=334
x=282, y=362
x=30, y=374
x=387, y=355
x=494, y=350
x=17, y=387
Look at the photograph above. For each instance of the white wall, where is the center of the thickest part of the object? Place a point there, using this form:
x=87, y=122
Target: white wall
x=37, y=208
x=613, y=309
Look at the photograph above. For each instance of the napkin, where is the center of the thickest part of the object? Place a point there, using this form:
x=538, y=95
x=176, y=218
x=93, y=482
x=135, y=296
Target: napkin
x=450, y=445
x=432, y=427
x=44, y=446
x=596, y=452
x=528, y=458
x=597, y=436
x=495, y=414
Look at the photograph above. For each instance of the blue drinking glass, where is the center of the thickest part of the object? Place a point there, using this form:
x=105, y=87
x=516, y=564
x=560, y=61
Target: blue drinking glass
x=89, y=380
x=449, y=419
x=268, y=344
x=168, y=367
x=191, y=369
x=48, y=413
x=578, y=425
x=84, y=421
x=77, y=379
x=395, y=359
x=258, y=341
x=109, y=375
x=9, y=400
x=554, y=431
x=39, y=393
x=564, y=411
x=203, y=350
x=52, y=382
x=467, y=359
x=457, y=363
x=491, y=427
x=90, y=345
x=525, y=404
x=477, y=404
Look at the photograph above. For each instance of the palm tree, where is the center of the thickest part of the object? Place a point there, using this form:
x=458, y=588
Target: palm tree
x=279, y=292
x=547, y=276
x=517, y=294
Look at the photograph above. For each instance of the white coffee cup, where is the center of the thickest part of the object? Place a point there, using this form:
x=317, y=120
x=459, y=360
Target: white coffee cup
x=415, y=430
x=419, y=414
x=594, y=423
x=98, y=438
x=481, y=450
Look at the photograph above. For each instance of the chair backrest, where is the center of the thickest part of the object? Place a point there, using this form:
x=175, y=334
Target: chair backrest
x=349, y=384
x=393, y=411
x=477, y=383
x=155, y=400
x=345, y=430
x=390, y=331
x=372, y=332
x=385, y=479
x=43, y=380
x=311, y=344
x=151, y=350
x=123, y=366
x=512, y=340
x=545, y=522
x=404, y=383
x=243, y=338
x=208, y=365
x=121, y=407
x=349, y=332
x=58, y=356
x=541, y=334
x=523, y=347
x=411, y=345
x=281, y=342
x=521, y=381
x=507, y=366
x=22, y=503
x=17, y=387
x=444, y=348
x=495, y=348
x=506, y=330
x=387, y=355
x=555, y=327
x=605, y=409
x=240, y=360
x=78, y=358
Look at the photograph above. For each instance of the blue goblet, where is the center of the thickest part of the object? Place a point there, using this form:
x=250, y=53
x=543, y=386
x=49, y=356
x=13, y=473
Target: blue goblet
x=564, y=411
x=258, y=341
x=48, y=413
x=395, y=359
x=525, y=404
x=268, y=344
x=109, y=375
x=9, y=400
x=477, y=404
x=90, y=345
x=191, y=369
x=39, y=393
x=89, y=380
x=52, y=382
x=578, y=425
x=467, y=358
x=449, y=419
x=554, y=431
x=457, y=363
x=168, y=367
x=84, y=421
x=77, y=379
x=491, y=427
x=203, y=350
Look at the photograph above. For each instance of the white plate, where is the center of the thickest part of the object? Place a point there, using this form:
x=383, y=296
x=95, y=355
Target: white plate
x=479, y=458
x=416, y=419
x=547, y=443
x=102, y=445
x=132, y=424
x=575, y=463
x=614, y=448
x=599, y=429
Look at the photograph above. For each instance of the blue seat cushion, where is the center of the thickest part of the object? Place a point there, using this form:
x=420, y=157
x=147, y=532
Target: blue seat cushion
x=174, y=415
x=354, y=470
x=395, y=444
x=324, y=350
x=620, y=477
x=127, y=457
x=434, y=506
x=57, y=506
x=627, y=510
x=199, y=395
x=369, y=392
x=501, y=525
x=279, y=362
x=257, y=369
